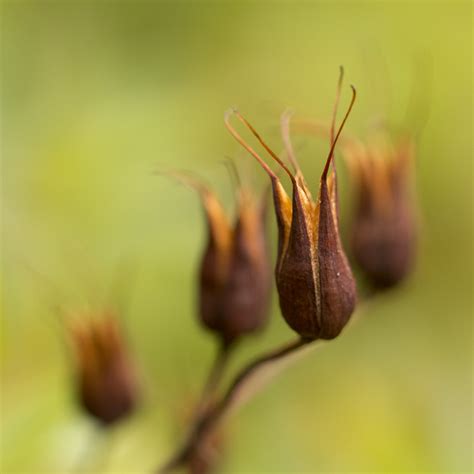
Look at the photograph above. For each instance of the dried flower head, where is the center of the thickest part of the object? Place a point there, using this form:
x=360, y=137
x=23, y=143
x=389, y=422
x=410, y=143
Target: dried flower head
x=235, y=275
x=315, y=284
x=104, y=377
x=383, y=231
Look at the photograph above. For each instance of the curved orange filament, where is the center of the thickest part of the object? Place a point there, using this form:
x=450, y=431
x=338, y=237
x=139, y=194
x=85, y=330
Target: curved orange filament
x=333, y=145
x=261, y=141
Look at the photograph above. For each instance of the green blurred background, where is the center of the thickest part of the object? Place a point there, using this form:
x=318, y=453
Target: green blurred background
x=96, y=96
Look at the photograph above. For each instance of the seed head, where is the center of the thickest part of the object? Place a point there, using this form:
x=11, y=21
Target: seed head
x=315, y=285
x=104, y=377
x=235, y=276
x=383, y=231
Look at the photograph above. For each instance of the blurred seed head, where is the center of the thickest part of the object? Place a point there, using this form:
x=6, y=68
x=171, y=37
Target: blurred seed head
x=383, y=230
x=235, y=276
x=316, y=288
x=105, y=380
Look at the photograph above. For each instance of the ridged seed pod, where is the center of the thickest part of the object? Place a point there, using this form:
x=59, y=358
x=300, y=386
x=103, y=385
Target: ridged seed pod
x=235, y=276
x=315, y=285
x=383, y=231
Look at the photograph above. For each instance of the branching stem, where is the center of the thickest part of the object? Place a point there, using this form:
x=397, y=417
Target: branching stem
x=206, y=424
x=215, y=375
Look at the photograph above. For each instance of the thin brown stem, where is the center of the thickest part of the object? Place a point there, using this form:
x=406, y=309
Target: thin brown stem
x=215, y=375
x=211, y=418
x=303, y=126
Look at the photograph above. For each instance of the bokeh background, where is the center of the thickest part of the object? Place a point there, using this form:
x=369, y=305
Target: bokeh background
x=98, y=95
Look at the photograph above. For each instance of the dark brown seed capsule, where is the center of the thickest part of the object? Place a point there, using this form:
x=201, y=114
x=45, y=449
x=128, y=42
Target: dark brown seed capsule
x=247, y=292
x=104, y=377
x=235, y=277
x=315, y=284
x=383, y=231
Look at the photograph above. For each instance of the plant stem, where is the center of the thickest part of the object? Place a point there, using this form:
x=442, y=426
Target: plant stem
x=211, y=418
x=215, y=375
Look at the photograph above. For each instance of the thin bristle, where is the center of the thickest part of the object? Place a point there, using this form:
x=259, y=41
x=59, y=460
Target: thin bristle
x=285, y=133
x=233, y=172
x=242, y=142
x=186, y=178
x=333, y=145
x=267, y=148
x=336, y=102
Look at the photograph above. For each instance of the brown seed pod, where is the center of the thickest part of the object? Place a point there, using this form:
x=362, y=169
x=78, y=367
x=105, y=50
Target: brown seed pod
x=235, y=276
x=246, y=296
x=315, y=284
x=383, y=230
x=105, y=380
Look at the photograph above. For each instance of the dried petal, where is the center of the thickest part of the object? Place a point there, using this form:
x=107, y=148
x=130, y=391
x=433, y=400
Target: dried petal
x=297, y=273
x=337, y=285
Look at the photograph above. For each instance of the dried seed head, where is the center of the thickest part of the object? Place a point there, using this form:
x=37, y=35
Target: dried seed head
x=234, y=283
x=315, y=284
x=383, y=231
x=104, y=377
